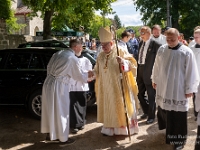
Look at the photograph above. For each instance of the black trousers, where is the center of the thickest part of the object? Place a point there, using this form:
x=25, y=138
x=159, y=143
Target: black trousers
x=194, y=97
x=148, y=105
x=175, y=124
x=197, y=143
x=78, y=107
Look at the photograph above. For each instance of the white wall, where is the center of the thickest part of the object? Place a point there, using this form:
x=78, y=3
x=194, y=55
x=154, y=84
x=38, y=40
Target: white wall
x=36, y=22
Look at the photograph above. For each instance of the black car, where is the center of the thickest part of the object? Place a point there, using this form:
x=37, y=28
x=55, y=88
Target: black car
x=22, y=74
x=91, y=55
x=44, y=43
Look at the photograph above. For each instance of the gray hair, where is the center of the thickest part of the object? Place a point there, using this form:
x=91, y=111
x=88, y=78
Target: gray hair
x=74, y=42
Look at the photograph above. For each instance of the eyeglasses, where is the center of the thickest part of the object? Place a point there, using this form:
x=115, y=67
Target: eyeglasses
x=142, y=33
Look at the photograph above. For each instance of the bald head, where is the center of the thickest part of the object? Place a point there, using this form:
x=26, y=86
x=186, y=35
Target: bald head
x=172, y=37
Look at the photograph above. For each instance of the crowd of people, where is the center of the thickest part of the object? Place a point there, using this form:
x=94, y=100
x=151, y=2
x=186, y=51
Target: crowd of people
x=157, y=71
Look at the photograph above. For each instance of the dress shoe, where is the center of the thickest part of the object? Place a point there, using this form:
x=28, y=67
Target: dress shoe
x=47, y=137
x=74, y=130
x=149, y=121
x=48, y=140
x=144, y=116
x=68, y=142
x=81, y=128
x=178, y=147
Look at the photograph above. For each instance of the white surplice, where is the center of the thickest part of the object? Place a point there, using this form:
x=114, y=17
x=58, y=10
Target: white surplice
x=79, y=85
x=196, y=52
x=175, y=73
x=122, y=45
x=161, y=39
x=62, y=68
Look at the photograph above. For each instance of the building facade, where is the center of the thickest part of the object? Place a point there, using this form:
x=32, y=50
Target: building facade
x=21, y=13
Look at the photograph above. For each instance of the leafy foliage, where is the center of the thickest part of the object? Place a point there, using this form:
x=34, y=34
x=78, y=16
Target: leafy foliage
x=135, y=28
x=118, y=23
x=96, y=24
x=8, y=15
x=5, y=12
x=72, y=13
x=185, y=14
x=12, y=25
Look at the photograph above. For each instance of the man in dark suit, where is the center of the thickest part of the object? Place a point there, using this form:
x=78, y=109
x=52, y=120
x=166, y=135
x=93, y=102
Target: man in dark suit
x=146, y=57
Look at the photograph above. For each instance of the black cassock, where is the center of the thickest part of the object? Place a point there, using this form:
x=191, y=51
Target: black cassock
x=175, y=123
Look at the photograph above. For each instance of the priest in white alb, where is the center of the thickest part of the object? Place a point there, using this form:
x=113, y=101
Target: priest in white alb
x=196, y=50
x=62, y=69
x=175, y=78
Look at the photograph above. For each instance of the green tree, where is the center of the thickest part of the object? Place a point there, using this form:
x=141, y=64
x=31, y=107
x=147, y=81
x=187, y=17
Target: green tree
x=98, y=22
x=72, y=13
x=118, y=23
x=12, y=25
x=122, y=29
x=185, y=15
x=8, y=15
x=5, y=12
x=119, y=32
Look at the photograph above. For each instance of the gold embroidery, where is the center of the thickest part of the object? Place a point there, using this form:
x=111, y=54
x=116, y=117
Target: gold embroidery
x=107, y=57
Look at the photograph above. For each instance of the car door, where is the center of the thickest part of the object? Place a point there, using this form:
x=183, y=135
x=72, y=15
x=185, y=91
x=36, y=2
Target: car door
x=17, y=79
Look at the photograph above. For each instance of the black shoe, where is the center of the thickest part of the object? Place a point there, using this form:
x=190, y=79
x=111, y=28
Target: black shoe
x=178, y=147
x=144, y=116
x=74, y=130
x=47, y=137
x=68, y=142
x=149, y=121
x=48, y=140
x=81, y=128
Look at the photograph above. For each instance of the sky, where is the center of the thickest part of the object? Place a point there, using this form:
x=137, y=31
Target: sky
x=127, y=13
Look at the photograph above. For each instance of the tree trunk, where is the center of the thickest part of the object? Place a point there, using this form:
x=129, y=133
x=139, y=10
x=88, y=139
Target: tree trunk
x=47, y=25
x=175, y=13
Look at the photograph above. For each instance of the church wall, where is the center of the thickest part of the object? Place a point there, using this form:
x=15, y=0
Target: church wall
x=12, y=41
x=35, y=22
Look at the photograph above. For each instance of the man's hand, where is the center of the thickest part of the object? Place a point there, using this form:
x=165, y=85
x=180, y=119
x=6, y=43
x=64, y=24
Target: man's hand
x=154, y=85
x=189, y=95
x=120, y=60
x=90, y=74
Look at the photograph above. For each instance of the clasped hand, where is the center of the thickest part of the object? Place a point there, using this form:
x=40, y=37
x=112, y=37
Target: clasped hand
x=120, y=60
x=90, y=76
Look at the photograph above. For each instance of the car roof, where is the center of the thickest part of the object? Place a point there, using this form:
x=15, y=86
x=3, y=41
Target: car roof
x=49, y=40
x=43, y=43
x=35, y=49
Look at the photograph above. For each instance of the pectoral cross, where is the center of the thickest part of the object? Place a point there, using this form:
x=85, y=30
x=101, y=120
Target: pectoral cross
x=106, y=64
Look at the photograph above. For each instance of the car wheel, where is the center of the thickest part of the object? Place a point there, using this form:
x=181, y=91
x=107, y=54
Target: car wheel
x=35, y=104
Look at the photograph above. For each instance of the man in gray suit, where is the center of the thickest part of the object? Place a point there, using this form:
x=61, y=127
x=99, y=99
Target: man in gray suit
x=146, y=57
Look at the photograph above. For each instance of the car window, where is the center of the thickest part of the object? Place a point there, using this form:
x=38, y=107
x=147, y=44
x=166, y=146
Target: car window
x=2, y=57
x=18, y=61
x=40, y=44
x=36, y=62
x=56, y=44
x=47, y=59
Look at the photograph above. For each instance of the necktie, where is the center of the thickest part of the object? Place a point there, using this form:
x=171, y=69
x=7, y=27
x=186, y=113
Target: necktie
x=141, y=53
